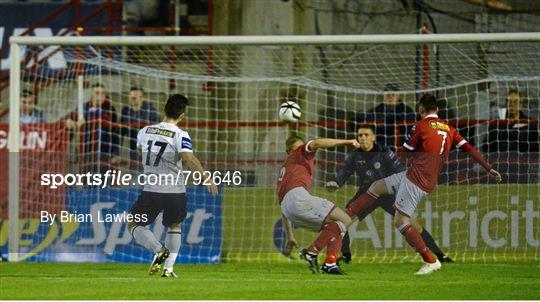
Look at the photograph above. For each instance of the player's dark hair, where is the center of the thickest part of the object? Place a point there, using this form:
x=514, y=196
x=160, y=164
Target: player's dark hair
x=98, y=85
x=136, y=88
x=512, y=91
x=365, y=126
x=429, y=102
x=27, y=93
x=176, y=105
x=291, y=141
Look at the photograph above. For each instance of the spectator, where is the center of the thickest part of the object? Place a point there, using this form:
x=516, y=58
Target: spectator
x=137, y=114
x=100, y=137
x=29, y=113
x=513, y=107
x=388, y=114
x=512, y=142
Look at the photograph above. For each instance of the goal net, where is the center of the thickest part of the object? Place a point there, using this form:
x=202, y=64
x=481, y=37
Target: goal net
x=83, y=99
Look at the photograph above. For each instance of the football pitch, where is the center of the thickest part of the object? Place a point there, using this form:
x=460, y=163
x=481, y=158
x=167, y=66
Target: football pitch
x=268, y=281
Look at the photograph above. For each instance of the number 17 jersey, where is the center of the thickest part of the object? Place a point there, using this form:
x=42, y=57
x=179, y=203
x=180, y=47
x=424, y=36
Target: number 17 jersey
x=161, y=145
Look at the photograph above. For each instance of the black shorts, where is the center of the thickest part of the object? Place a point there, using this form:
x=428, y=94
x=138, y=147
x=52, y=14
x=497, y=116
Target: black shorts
x=173, y=206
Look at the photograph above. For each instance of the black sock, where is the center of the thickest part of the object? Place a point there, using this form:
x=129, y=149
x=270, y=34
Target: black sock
x=346, y=245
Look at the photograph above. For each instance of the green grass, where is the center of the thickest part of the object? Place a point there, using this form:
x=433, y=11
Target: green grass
x=268, y=281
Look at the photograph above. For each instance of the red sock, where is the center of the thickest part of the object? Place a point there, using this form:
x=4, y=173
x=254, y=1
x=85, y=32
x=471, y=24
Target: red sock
x=361, y=203
x=334, y=247
x=329, y=231
x=415, y=240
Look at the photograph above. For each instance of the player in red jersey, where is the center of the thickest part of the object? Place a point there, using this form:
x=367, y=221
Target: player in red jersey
x=304, y=210
x=431, y=140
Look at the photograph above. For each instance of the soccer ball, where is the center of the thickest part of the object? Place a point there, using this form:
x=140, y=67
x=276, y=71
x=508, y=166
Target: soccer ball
x=289, y=112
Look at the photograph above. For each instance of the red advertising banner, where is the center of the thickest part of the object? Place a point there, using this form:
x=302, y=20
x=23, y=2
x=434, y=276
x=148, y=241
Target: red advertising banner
x=43, y=149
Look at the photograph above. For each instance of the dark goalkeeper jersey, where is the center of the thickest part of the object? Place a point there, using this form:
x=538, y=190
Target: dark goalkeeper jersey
x=370, y=166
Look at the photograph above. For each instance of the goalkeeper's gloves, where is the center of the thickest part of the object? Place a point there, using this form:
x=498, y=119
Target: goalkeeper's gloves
x=331, y=186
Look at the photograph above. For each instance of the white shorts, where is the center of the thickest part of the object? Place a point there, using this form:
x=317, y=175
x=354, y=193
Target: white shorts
x=408, y=195
x=305, y=210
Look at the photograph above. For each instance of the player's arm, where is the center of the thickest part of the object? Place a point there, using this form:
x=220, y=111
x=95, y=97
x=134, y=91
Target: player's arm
x=392, y=161
x=195, y=165
x=343, y=174
x=465, y=146
x=412, y=140
x=324, y=143
x=290, y=243
x=185, y=149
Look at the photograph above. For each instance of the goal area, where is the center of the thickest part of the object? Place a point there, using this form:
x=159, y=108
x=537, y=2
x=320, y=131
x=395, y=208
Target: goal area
x=76, y=104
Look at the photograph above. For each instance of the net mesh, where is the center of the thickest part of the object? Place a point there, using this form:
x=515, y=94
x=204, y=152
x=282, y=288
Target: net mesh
x=235, y=93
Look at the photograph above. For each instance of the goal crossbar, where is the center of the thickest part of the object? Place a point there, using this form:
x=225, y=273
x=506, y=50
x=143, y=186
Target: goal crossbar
x=279, y=40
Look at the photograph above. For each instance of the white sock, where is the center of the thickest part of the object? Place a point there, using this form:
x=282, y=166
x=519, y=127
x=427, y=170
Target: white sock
x=146, y=238
x=172, y=242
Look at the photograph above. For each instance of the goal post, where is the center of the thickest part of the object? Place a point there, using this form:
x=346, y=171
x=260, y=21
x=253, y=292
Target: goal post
x=13, y=146
x=235, y=85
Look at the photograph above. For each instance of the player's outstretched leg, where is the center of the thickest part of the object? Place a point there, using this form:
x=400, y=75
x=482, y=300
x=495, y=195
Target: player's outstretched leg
x=330, y=265
x=311, y=259
x=331, y=231
x=172, y=243
x=444, y=258
x=346, y=255
x=367, y=199
x=146, y=238
x=363, y=202
x=428, y=268
x=159, y=258
x=412, y=235
x=168, y=274
x=332, y=269
x=331, y=236
x=432, y=245
x=426, y=236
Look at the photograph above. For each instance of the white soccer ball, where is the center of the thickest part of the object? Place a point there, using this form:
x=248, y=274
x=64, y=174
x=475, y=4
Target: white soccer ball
x=289, y=112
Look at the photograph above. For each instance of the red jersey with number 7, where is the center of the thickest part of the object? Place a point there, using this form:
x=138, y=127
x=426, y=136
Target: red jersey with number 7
x=431, y=139
x=297, y=171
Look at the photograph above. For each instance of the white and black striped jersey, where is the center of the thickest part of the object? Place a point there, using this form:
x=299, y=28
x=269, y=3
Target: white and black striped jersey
x=161, y=145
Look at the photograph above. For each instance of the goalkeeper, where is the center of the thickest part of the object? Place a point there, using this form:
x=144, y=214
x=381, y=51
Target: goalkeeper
x=372, y=162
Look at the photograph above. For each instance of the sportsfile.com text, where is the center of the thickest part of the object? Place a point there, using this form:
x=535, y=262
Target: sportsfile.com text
x=119, y=178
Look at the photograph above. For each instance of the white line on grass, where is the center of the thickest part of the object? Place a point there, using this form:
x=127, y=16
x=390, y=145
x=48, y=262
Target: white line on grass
x=518, y=265
x=84, y=278
x=322, y=280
